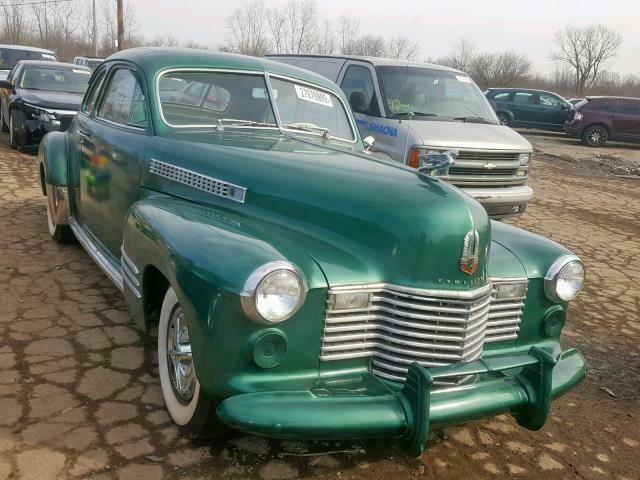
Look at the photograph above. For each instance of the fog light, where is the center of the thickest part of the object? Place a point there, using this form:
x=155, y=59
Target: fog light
x=553, y=321
x=349, y=301
x=269, y=348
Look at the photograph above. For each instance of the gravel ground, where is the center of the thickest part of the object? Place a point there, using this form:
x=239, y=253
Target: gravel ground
x=79, y=393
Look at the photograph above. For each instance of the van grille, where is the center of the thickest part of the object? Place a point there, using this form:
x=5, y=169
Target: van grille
x=485, y=168
x=405, y=325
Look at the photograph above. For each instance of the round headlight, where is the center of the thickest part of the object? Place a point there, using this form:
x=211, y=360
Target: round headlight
x=274, y=292
x=564, y=279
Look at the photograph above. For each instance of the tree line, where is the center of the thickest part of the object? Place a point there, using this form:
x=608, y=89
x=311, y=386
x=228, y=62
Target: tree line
x=582, y=55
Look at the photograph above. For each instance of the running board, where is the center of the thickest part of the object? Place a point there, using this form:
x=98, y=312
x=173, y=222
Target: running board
x=109, y=269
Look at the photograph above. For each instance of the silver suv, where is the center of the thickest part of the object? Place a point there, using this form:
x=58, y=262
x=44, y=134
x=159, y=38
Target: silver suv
x=413, y=109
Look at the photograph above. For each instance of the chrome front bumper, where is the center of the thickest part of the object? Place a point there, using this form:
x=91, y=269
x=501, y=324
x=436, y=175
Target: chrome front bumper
x=501, y=202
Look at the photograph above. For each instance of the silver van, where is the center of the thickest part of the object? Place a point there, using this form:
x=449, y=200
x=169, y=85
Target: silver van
x=412, y=109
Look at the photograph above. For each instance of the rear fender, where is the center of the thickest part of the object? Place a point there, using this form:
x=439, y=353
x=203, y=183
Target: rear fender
x=206, y=255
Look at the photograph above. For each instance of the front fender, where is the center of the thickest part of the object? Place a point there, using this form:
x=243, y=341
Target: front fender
x=52, y=160
x=207, y=254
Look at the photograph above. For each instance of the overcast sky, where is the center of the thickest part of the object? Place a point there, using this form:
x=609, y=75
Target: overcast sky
x=524, y=26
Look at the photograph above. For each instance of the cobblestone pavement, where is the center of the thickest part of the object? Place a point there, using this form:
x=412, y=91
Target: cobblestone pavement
x=79, y=394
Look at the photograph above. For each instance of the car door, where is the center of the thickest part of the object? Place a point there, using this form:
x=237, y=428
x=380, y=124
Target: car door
x=111, y=138
x=358, y=83
x=553, y=110
x=626, y=120
x=525, y=107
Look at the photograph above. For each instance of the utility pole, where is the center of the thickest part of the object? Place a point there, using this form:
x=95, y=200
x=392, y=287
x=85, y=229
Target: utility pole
x=95, y=31
x=120, y=25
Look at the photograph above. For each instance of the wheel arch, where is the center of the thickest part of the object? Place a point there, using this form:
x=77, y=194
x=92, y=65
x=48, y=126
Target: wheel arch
x=53, y=157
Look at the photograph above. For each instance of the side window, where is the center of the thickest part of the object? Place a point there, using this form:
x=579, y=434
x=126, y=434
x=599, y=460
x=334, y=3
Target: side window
x=357, y=85
x=124, y=101
x=550, y=101
x=89, y=102
x=501, y=97
x=523, y=98
x=604, y=106
x=629, y=107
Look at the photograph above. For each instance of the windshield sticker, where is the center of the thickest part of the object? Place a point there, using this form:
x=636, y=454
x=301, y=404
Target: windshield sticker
x=81, y=71
x=463, y=79
x=314, y=96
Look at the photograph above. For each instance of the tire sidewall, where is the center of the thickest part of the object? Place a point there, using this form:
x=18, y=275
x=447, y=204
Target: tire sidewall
x=183, y=415
x=13, y=137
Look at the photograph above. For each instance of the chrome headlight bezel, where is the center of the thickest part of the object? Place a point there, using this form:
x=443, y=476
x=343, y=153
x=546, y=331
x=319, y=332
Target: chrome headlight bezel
x=252, y=285
x=554, y=274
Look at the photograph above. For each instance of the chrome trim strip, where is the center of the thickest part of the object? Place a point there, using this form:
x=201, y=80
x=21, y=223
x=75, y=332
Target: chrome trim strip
x=129, y=262
x=131, y=286
x=421, y=292
x=128, y=273
x=214, y=186
x=94, y=252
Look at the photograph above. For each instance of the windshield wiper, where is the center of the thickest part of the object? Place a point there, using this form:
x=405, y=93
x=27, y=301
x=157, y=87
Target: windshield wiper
x=308, y=127
x=472, y=118
x=416, y=114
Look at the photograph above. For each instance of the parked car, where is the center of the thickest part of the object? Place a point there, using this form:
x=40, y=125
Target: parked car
x=599, y=119
x=415, y=108
x=10, y=55
x=302, y=288
x=518, y=107
x=89, y=62
x=40, y=97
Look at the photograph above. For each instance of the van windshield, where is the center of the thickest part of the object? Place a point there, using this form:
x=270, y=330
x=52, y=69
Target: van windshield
x=432, y=93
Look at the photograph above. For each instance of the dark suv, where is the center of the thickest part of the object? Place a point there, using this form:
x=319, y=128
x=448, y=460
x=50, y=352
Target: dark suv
x=519, y=107
x=598, y=119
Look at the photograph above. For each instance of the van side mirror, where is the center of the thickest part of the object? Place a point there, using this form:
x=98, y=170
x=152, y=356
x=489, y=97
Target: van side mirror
x=369, y=143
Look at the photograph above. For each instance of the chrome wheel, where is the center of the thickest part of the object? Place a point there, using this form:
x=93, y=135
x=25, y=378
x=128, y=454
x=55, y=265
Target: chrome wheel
x=596, y=136
x=503, y=119
x=179, y=359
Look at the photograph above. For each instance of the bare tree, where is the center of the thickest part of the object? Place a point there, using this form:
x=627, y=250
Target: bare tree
x=370, y=46
x=348, y=32
x=277, y=20
x=13, y=22
x=325, y=42
x=402, y=47
x=302, y=20
x=248, y=30
x=504, y=69
x=587, y=50
x=461, y=57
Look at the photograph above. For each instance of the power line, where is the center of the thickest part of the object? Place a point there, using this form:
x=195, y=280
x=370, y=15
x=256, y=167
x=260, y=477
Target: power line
x=41, y=2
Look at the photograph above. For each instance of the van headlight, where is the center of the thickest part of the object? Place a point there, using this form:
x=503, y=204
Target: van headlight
x=524, y=158
x=564, y=279
x=274, y=292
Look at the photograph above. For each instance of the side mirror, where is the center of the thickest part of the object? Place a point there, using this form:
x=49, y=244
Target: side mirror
x=368, y=142
x=7, y=85
x=436, y=163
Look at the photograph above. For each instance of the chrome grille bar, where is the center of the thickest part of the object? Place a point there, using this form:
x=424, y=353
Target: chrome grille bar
x=402, y=325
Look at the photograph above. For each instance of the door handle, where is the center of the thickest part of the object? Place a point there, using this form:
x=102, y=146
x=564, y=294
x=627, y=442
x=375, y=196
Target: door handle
x=84, y=134
x=612, y=116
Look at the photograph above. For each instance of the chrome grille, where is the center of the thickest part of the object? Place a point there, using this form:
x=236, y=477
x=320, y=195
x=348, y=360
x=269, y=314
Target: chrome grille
x=197, y=180
x=404, y=325
x=505, y=315
x=485, y=168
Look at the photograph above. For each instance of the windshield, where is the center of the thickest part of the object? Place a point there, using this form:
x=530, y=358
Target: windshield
x=10, y=56
x=304, y=108
x=432, y=93
x=206, y=99
x=51, y=79
x=93, y=63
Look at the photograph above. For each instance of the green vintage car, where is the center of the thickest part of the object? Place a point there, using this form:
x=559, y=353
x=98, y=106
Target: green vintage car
x=302, y=288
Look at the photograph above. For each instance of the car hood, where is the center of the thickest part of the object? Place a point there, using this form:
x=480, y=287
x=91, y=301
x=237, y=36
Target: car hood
x=362, y=220
x=56, y=100
x=443, y=134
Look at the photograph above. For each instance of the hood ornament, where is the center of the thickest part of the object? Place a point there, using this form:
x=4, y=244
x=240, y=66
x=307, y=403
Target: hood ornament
x=470, y=248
